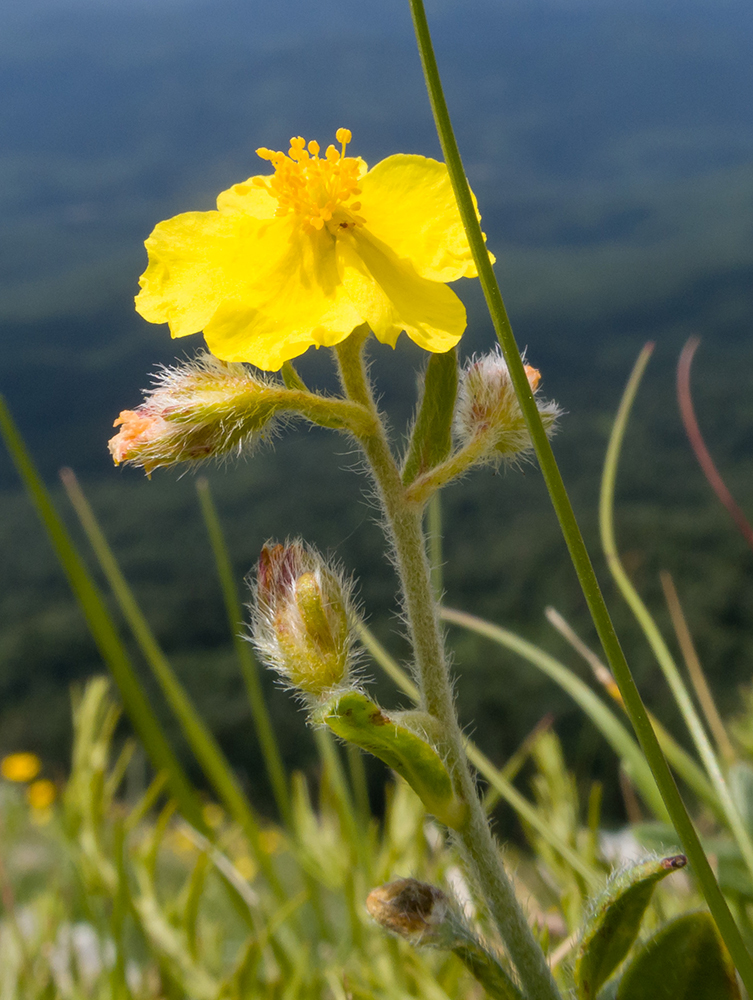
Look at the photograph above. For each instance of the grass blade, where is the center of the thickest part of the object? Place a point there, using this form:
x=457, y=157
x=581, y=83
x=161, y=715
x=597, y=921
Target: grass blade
x=101, y=626
x=203, y=744
x=648, y=625
x=264, y=730
x=683, y=764
x=602, y=717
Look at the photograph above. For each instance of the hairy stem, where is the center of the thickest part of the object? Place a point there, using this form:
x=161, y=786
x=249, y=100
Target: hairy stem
x=404, y=522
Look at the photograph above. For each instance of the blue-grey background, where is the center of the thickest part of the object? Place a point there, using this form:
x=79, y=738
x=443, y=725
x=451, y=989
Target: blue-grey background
x=611, y=148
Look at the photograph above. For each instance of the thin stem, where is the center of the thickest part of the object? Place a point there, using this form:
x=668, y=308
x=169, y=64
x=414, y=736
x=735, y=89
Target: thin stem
x=693, y=664
x=561, y=503
x=701, y=452
x=478, y=847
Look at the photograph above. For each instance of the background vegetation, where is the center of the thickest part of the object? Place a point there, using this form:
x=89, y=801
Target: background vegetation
x=610, y=147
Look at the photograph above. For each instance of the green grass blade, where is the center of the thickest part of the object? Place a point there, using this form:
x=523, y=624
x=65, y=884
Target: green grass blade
x=683, y=764
x=264, y=731
x=203, y=744
x=649, y=627
x=565, y=513
x=101, y=626
x=602, y=717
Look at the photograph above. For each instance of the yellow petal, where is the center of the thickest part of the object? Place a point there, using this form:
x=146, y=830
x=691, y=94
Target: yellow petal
x=299, y=303
x=198, y=260
x=408, y=204
x=249, y=198
x=391, y=297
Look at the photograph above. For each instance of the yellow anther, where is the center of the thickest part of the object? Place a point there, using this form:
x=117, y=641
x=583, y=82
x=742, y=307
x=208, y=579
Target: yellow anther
x=311, y=187
x=344, y=135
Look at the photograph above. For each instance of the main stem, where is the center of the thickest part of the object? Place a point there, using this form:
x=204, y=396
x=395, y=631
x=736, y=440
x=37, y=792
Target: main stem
x=405, y=524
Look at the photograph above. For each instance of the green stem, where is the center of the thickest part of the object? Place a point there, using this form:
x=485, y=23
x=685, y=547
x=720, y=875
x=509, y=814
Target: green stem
x=434, y=529
x=475, y=839
x=561, y=502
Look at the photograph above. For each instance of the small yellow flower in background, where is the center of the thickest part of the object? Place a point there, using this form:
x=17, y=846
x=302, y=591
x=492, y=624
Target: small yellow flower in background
x=41, y=794
x=20, y=767
x=302, y=257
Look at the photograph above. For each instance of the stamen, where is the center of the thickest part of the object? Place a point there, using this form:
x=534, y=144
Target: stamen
x=312, y=187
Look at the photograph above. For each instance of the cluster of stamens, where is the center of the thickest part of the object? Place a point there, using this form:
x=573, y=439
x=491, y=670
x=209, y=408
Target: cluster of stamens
x=312, y=187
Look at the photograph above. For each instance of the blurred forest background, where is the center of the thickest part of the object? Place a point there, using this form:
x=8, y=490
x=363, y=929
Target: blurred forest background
x=610, y=143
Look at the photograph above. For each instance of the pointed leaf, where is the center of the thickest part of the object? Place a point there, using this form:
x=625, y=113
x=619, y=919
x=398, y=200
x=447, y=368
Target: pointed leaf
x=685, y=960
x=431, y=438
x=615, y=922
x=355, y=718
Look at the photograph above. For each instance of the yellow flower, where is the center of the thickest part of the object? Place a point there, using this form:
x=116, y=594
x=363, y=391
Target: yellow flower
x=305, y=255
x=41, y=794
x=20, y=767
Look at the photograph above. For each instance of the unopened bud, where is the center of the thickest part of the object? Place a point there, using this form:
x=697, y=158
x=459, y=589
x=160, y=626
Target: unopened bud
x=301, y=618
x=424, y=916
x=413, y=910
x=203, y=409
x=487, y=408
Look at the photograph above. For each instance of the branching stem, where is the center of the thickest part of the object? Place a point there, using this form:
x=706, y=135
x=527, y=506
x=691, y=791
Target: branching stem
x=404, y=522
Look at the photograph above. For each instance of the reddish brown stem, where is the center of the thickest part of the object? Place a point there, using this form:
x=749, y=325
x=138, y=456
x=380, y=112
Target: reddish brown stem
x=699, y=445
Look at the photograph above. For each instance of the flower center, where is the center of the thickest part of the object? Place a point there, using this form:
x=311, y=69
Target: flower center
x=315, y=188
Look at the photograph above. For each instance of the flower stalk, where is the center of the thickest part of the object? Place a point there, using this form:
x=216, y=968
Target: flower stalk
x=475, y=840
x=565, y=514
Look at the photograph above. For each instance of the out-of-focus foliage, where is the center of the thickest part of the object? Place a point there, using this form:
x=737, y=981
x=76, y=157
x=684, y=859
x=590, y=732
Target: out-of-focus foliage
x=111, y=894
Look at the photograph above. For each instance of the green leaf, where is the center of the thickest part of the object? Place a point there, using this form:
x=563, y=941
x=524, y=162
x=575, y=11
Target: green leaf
x=355, y=718
x=685, y=960
x=614, y=924
x=431, y=438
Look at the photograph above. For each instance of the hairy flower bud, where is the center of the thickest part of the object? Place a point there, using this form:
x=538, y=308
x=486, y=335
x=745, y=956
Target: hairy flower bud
x=487, y=408
x=301, y=618
x=202, y=409
x=413, y=910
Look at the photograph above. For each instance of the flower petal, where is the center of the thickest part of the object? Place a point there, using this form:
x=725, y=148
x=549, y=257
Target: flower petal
x=391, y=297
x=408, y=204
x=196, y=261
x=250, y=198
x=299, y=302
